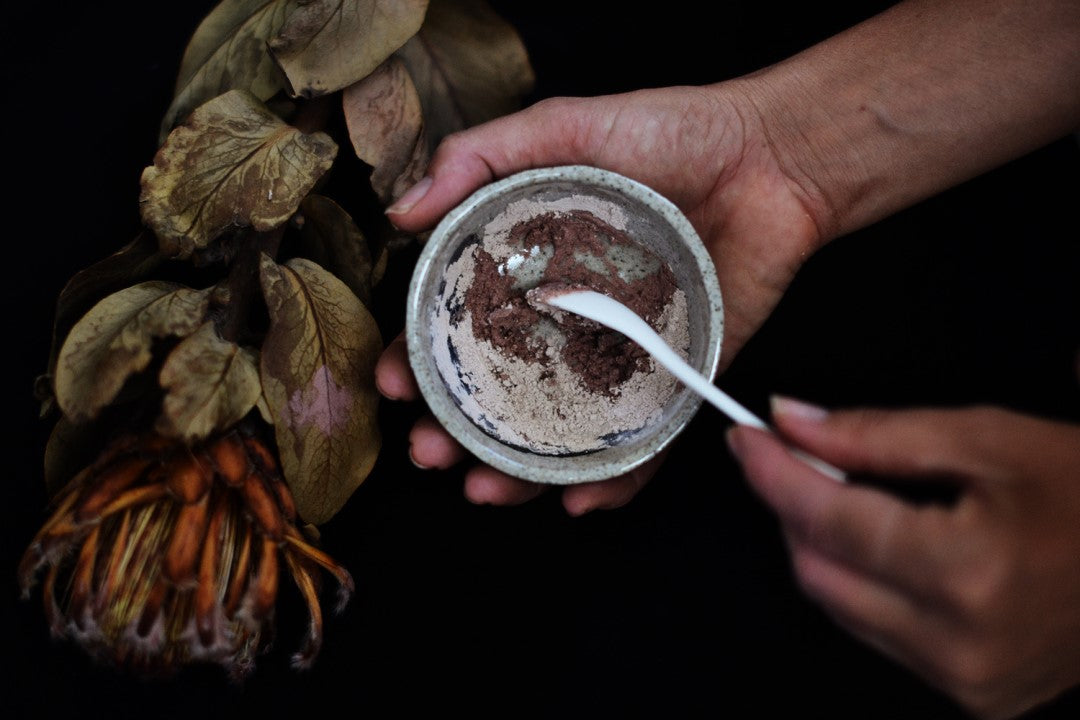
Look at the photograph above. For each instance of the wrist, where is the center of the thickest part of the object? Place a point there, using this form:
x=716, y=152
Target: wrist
x=915, y=100
x=805, y=143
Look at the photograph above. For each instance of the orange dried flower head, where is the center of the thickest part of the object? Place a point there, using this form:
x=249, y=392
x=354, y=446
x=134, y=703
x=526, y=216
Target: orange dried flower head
x=158, y=555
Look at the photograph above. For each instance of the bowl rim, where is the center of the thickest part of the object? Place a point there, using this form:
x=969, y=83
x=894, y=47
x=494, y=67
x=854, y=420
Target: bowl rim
x=433, y=388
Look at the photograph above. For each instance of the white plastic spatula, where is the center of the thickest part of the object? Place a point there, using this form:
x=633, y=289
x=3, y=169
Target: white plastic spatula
x=613, y=314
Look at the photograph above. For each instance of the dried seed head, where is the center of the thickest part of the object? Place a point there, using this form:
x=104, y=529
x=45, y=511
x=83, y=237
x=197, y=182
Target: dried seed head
x=189, y=478
x=158, y=555
x=230, y=459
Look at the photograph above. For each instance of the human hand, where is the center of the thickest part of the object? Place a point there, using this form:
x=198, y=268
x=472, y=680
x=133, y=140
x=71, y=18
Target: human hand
x=981, y=598
x=705, y=149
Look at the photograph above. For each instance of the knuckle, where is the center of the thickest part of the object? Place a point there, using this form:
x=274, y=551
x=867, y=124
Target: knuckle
x=807, y=574
x=578, y=127
x=417, y=432
x=882, y=541
x=864, y=424
x=972, y=672
x=979, y=593
x=982, y=427
x=943, y=439
x=451, y=145
x=551, y=111
x=547, y=106
x=825, y=530
x=988, y=417
x=860, y=429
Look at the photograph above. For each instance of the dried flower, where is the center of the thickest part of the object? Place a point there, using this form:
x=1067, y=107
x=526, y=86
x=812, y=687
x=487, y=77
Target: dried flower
x=158, y=555
x=168, y=548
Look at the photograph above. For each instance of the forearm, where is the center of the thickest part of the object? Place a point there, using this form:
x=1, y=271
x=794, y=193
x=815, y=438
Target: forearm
x=920, y=98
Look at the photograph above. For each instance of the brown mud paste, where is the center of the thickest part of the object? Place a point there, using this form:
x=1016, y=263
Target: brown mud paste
x=513, y=371
x=579, y=249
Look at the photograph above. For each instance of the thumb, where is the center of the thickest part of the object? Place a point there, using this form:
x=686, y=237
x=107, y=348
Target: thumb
x=919, y=443
x=539, y=136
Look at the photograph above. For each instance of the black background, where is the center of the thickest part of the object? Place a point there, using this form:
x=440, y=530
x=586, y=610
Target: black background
x=679, y=605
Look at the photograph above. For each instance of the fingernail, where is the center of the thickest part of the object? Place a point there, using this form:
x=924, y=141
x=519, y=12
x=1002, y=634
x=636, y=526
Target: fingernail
x=413, y=461
x=578, y=511
x=797, y=409
x=382, y=390
x=574, y=507
x=412, y=196
x=476, y=492
x=734, y=443
x=476, y=500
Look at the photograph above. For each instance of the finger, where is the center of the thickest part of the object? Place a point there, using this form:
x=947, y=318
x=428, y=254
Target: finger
x=393, y=376
x=867, y=530
x=539, y=136
x=431, y=447
x=864, y=606
x=609, y=494
x=887, y=620
x=487, y=486
x=929, y=444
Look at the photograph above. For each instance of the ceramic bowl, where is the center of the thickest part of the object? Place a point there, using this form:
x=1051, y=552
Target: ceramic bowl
x=644, y=214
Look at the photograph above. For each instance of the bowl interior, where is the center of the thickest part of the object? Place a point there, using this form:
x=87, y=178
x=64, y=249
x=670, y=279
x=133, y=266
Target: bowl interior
x=646, y=217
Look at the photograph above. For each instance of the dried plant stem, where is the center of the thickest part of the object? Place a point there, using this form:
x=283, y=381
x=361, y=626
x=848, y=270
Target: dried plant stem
x=314, y=114
x=242, y=285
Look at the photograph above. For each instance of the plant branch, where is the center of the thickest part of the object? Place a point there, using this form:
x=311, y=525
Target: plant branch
x=242, y=284
x=314, y=114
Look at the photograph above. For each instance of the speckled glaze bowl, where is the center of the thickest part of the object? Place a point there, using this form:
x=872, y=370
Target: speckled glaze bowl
x=648, y=216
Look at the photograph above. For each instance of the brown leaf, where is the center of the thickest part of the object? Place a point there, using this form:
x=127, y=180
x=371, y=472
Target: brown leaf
x=233, y=163
x=386, y=127
x=468, y=65
x=331, y=239
x=132, y=263
x=381, y=250
x=326, y=45
x=210, y=384
x=228, y=52
x=264, y=409
x=70, y=448
x=318, y=374
x=113, y=341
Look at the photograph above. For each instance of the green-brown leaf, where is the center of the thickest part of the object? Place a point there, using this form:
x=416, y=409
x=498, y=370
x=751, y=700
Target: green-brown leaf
x=132, y=263
x=210, y=384
x=331, y=239
x=326, y=45
x=318, y=375
x=386, y=127
x=114, y=339
x=228, y=52
x=233, y=163
x=468, y=64
x=70, y=448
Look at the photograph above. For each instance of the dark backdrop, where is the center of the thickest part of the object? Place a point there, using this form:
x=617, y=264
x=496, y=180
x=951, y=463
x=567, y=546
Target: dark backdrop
x=679, y=605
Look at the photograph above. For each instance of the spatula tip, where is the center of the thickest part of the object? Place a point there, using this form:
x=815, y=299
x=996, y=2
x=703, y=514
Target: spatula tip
x=540, y=297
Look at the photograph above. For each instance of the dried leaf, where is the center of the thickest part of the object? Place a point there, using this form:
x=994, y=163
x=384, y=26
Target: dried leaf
x=210, y=384
x=113, y=341
x=264, y=409
x=326, y=45
x=380, y=249
x=132, y=263
x=386, y=127
x=468, y=64
x=58, y=465
x=228, y=52
x=43, y=390
x=331, y=239
x=388, y=242
x=233, y=163
x=318, y=374
x=70, y=448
